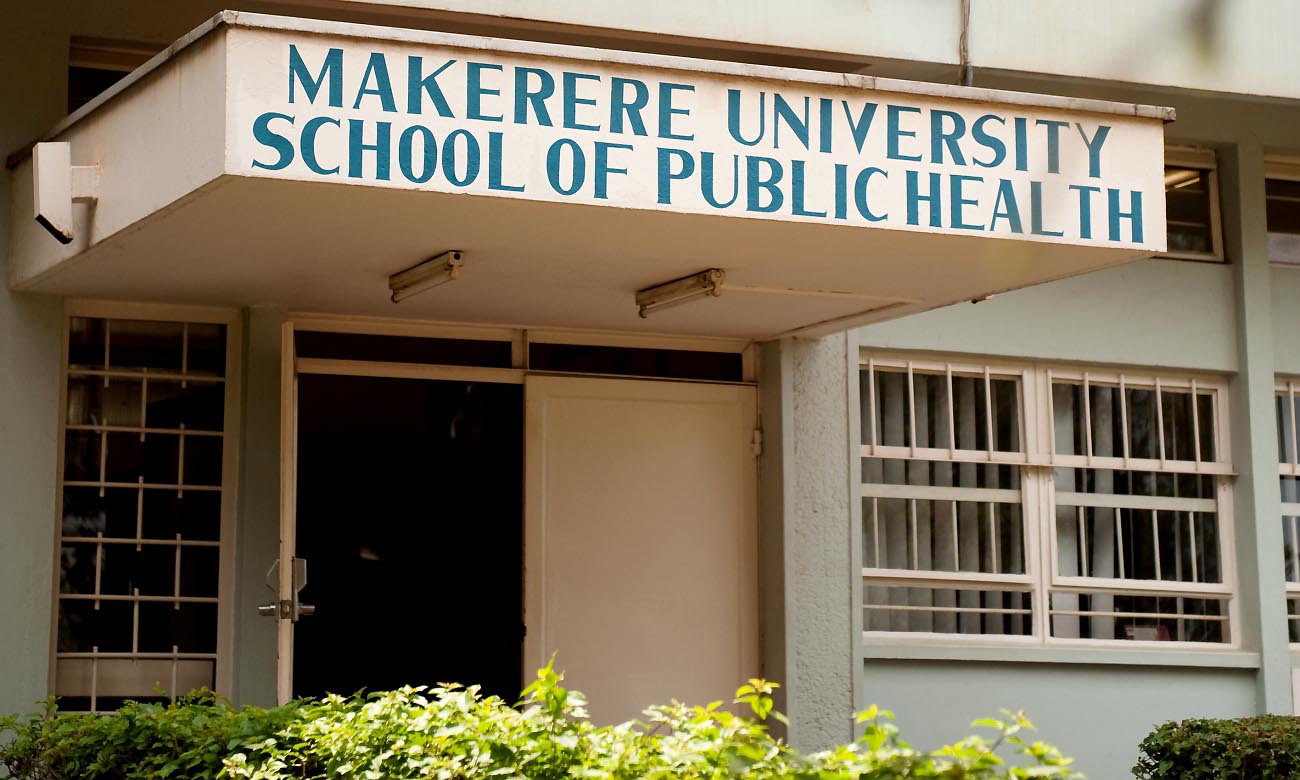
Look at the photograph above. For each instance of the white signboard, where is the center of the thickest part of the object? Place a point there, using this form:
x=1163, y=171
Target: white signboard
x=467, y=120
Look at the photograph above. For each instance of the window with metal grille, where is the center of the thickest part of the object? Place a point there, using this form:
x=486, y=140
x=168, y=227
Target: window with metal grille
x=1043, y=504
x=1288, y=432
x=144, y=429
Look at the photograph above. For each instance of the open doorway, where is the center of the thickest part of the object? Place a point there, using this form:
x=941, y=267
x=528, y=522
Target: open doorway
x=410, y=516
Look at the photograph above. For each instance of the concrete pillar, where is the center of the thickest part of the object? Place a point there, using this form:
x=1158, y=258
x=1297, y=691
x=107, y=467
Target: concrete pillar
x=1256, y=498
x=807, y=538
x=33, y=55
x=258, y=535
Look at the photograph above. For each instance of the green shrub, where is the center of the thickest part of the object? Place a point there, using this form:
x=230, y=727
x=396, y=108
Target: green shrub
x=1267, y=746
x=453, y=733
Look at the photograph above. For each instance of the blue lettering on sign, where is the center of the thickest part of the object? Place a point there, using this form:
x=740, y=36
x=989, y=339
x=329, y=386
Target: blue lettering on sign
x=446, y=114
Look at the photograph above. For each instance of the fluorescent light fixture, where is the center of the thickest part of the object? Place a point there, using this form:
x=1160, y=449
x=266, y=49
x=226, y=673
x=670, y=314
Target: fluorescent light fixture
x=426, y=275
x=678, y=291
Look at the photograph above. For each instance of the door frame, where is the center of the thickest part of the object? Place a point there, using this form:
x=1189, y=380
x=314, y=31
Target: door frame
x=292, y=366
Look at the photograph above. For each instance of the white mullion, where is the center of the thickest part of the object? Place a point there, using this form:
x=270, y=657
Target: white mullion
x=94, y=677
x=1051, y=418
x=965, y=580
x=941, y=493
x=109, y=597
x=141, y=541
x=1168, y=588
x=931, y=609
x=1121, y=501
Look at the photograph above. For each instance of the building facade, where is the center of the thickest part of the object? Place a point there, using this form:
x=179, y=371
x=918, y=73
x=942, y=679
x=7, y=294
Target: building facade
x=343, y=347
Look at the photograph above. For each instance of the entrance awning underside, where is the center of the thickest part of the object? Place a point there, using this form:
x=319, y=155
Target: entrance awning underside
x=181, y=216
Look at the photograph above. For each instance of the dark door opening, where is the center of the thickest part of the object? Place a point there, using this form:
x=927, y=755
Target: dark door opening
x=410, y=516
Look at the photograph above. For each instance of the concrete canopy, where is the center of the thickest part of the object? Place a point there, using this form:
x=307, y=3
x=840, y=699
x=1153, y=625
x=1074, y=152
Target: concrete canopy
x=192, y=208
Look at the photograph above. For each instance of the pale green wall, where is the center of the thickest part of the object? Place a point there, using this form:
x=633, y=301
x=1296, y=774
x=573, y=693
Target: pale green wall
x=1286, y=319
x=1153, y=312
x=1097, y=714
x=31, y=44
x=1239, y=319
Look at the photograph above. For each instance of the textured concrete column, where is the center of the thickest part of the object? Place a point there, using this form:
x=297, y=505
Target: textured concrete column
x=1256, y=498
x=258, y=539
x=806, y=537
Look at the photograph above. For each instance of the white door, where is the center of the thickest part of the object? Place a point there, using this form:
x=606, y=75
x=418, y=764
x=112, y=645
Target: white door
x=640, y=562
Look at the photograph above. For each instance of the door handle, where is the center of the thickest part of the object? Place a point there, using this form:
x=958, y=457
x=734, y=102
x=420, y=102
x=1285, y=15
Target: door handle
x=287, y=609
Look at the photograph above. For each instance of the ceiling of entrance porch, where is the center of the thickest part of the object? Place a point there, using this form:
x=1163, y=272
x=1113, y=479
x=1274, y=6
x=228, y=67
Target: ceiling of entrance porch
x=331, y=248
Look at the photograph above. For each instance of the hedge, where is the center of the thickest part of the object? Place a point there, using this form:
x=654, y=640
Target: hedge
x=1266, y=746
x=454, y=733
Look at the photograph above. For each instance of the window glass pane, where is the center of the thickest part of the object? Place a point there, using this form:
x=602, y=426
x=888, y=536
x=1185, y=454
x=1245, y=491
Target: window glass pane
x=948, y=610
x=1155, y=618
x=943, y=535
x=1188, y=208
x=138, y=344
x=1183, y=431
x=1283, y=209
x=98, y=400
x=194, y=405
x=964, y=419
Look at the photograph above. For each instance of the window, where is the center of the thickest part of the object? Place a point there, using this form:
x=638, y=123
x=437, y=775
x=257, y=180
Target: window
x=1288, y=406
x=1282, y=198
x=1037, y=504
x=95, y=64
x=1192, y=204
x=146, y=418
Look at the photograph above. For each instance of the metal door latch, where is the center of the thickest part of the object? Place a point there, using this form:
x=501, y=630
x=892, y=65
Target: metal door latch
x=287, y=609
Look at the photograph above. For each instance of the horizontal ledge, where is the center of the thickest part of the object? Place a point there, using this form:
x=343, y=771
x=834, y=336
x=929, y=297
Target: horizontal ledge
x=874, y=649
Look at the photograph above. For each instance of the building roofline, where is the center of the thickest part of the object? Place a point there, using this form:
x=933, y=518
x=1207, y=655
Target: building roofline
x=572, y=52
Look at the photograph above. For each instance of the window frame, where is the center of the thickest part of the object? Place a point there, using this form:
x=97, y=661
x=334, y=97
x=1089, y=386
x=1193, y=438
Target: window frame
x=1202, y=158
x=1288, y=386
x=223, y=656
x=1037, y=463
x=1281, y=168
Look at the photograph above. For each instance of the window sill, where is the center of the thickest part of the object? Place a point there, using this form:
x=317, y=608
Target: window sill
x=874, y=649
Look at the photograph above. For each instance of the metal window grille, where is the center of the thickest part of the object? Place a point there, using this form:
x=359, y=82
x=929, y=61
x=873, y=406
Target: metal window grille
x=144, y=430
x=1043, y=504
